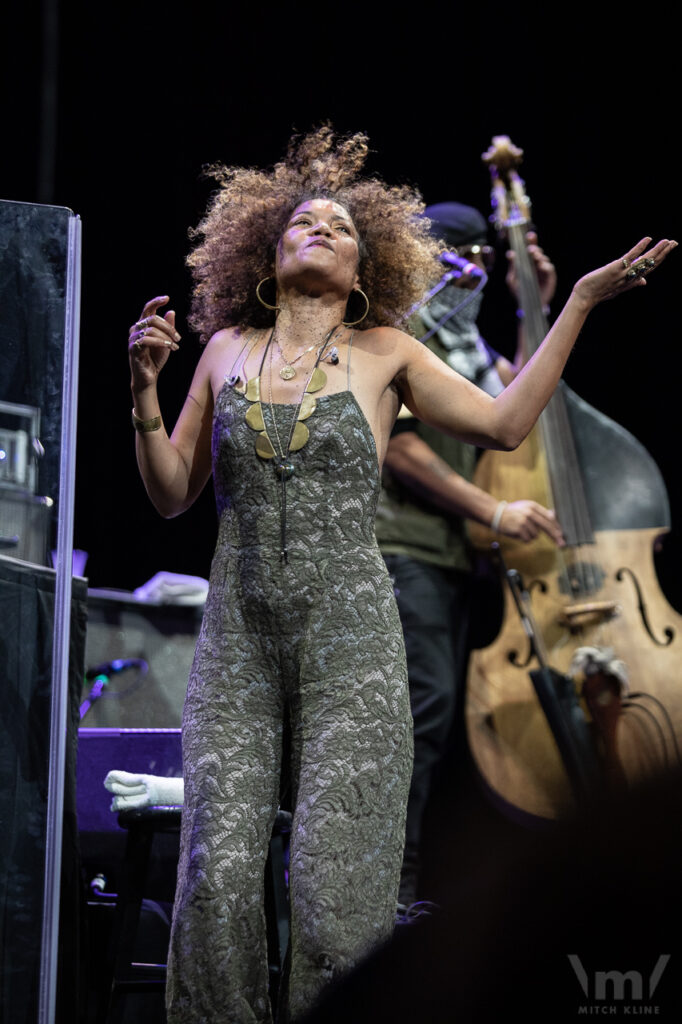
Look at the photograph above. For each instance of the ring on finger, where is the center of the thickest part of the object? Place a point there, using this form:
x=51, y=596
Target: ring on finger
x=137, y=346
x=626, y=262
x=640, y=267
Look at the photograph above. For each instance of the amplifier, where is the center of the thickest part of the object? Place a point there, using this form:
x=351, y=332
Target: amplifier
x=142, y=751
x=164, y=636
x=25, y=523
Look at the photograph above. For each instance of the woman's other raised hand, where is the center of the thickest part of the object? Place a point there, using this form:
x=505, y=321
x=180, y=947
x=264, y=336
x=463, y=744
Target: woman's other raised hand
x=150, y=341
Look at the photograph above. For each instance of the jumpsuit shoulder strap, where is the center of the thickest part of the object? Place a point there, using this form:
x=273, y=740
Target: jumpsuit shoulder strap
x=240, y=360
x=350, y=349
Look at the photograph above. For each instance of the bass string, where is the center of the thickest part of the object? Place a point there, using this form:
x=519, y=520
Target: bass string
x=586, y=572
x=565, y=483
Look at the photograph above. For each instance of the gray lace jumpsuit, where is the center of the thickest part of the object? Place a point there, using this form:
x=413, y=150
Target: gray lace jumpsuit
x=318, y=640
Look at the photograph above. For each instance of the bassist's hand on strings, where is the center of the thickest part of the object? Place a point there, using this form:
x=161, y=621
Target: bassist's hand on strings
x=525, y=520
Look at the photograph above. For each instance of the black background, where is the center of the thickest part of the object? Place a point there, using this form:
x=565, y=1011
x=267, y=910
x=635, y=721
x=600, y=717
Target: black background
x=144, y=95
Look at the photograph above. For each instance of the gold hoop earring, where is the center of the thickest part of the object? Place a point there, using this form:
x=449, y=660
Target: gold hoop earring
x=262, y=300
x=352, y=323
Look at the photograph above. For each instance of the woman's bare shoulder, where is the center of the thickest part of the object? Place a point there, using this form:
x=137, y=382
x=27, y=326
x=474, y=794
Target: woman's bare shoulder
x=385, y=335
x=225, y=338
x=388, y=341
x=226, y=344
x=225, y=353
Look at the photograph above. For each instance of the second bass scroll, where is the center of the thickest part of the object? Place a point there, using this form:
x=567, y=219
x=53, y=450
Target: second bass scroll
x=600, y=618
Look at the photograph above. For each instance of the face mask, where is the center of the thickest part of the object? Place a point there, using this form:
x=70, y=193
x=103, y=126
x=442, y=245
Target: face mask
x=458, y=327
x=466, y=351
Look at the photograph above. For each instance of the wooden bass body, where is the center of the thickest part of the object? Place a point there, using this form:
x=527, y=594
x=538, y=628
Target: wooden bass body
x=600, y=591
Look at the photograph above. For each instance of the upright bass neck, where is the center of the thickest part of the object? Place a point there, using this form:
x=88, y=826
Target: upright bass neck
x=512, y=217
x=511, y=212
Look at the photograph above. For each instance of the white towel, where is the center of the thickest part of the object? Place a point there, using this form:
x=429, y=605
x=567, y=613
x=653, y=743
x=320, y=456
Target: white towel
x=131, y=792
x=173, y=588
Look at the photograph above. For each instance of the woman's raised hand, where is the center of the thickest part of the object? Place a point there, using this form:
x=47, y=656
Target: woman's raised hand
x=630, y=271
x=150, y=341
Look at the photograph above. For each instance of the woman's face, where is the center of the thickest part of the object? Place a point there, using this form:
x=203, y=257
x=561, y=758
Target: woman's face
x=319, y=247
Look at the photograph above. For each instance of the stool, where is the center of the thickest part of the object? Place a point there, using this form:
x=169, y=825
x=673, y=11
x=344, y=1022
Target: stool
x=123, y=975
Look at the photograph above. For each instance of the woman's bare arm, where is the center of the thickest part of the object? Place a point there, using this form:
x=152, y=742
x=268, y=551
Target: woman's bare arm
x=174, y=469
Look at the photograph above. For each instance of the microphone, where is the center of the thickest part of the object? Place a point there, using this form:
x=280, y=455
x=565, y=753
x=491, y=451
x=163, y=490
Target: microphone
x=109, y=668
x=101, y=673
x=460, y=263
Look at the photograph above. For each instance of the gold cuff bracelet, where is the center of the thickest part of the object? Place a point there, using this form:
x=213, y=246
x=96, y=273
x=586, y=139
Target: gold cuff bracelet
x=146, y=426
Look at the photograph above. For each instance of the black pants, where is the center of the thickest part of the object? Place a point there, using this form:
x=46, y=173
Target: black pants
x=434, y=611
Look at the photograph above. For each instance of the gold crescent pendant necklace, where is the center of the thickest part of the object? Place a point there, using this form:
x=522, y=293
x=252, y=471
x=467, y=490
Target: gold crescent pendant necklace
x=298, y=432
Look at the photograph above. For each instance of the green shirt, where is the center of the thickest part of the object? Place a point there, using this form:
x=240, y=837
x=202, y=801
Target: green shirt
x=406, y=523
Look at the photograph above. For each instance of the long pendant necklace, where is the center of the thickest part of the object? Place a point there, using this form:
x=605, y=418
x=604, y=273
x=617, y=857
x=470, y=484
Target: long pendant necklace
x=298, y=432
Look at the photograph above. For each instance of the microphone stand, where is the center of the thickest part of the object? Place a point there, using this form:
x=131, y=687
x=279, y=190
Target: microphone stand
x=98, y=686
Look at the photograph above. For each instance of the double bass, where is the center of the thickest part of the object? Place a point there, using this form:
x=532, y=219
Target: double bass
x=599, y=616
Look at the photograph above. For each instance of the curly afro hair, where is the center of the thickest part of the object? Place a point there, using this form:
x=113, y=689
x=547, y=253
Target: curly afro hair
x=248, y=214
